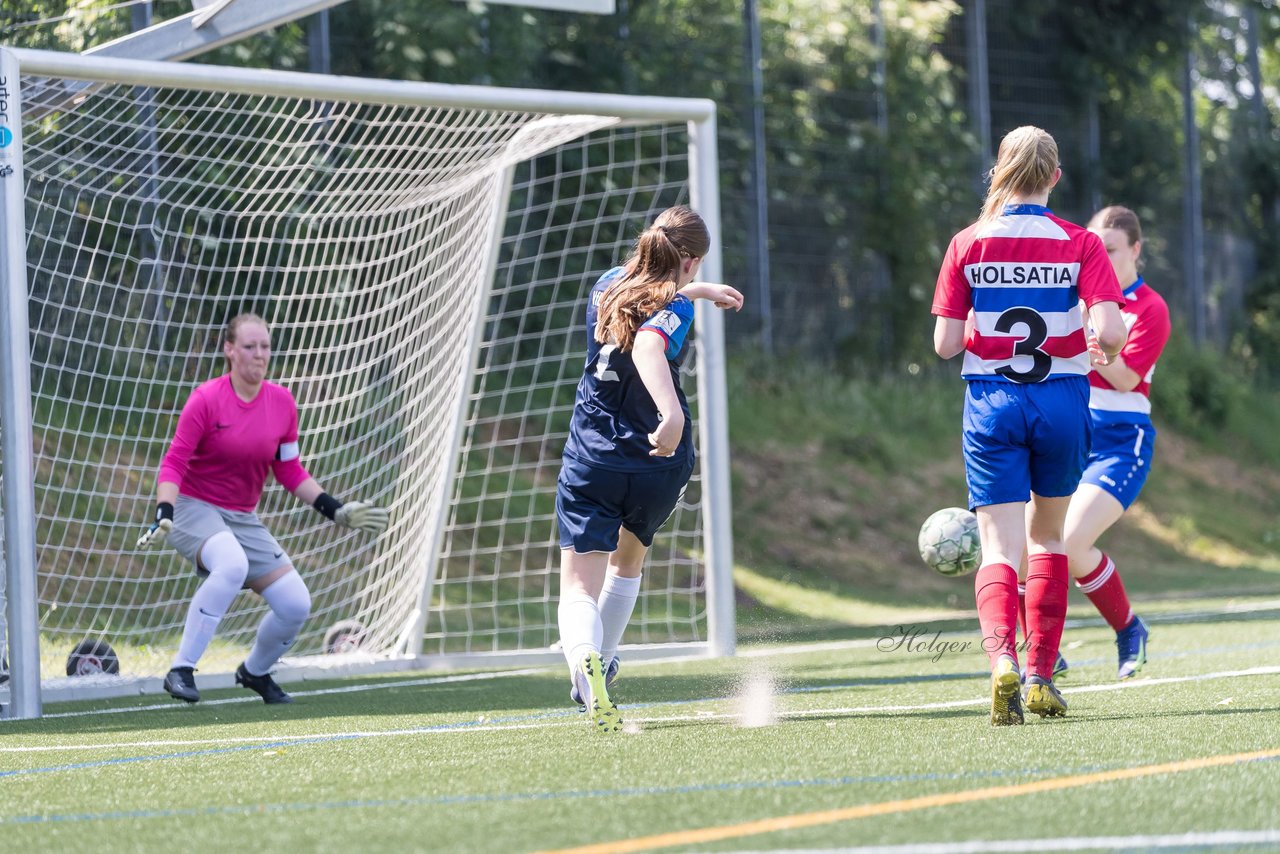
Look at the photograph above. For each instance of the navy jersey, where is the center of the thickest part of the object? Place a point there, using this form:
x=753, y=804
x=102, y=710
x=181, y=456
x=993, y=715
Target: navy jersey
x=614, y=413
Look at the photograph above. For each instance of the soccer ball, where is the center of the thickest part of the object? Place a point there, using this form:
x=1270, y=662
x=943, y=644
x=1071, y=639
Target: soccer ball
x=91, y=658
x=344, y=636
x=949, y=541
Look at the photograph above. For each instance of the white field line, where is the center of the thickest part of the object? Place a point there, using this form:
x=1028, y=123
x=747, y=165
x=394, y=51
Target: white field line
x=571, y=719
x=442, y=729
x=1197, y=839
x=756, y=652
x=315, y=692
x=980, y=701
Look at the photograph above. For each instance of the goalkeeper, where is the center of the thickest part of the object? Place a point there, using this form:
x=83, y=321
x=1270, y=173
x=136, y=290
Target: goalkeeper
x=232, y=431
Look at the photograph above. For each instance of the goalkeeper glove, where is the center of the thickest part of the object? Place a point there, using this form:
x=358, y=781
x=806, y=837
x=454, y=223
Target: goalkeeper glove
x=353, y=514
x=160, y=528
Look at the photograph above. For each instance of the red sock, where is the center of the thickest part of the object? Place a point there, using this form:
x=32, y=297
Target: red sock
x=1022, y=609
x=996, y=589
x=1046, y=611
x=1106, y=591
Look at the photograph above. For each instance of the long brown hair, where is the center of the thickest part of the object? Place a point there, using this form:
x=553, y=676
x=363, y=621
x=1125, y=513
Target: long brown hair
x=648, y=281
x=1024, y=166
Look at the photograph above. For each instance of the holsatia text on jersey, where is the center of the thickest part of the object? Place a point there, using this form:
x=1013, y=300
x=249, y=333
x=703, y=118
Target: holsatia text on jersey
x=1021, y=274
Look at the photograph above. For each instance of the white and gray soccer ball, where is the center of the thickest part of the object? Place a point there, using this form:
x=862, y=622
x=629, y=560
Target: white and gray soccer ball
x=949, y=541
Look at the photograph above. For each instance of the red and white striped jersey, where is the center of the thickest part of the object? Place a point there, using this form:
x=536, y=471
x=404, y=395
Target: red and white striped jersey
x=1024, y=275
x=1146, y=314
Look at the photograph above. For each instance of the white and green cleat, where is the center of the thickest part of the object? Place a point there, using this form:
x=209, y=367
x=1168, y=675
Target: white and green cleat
x=592, y=688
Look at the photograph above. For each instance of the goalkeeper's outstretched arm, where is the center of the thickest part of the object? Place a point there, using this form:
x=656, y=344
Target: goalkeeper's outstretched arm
x=350, y=514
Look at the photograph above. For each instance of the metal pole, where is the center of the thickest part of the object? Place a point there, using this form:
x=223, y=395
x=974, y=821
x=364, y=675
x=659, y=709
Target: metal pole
x=1255, y=66
x=1093, y=152
x=1192, y=212
x=713, y=402
x=152, y=275
x=16, y=441
x=758, y=251
x=979, y=88
x=318, y=43
x=300, y=84
x=882, y=283
x=1262, y=122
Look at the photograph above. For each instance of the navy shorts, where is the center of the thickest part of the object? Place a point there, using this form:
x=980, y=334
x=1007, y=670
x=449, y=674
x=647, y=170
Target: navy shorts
x=1121, y=458
x=593, y=503
x=1023, y=439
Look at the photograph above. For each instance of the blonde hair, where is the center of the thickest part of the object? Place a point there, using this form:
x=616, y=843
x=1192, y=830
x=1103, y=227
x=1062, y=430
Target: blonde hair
x=1025, y=165
x=648, y=280
x=234, y=324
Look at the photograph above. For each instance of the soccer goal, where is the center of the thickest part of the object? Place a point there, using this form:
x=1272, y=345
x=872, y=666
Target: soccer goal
x=422, y=253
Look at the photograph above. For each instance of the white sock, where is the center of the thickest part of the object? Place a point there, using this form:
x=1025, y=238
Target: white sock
x=227, y=566
x=617, y=601
x=580, y=629
x=290, y=603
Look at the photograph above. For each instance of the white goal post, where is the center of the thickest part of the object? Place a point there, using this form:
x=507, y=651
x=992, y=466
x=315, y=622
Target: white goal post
x=422, y=253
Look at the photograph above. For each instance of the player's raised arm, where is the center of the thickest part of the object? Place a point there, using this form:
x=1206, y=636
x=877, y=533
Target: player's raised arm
x=722, y=296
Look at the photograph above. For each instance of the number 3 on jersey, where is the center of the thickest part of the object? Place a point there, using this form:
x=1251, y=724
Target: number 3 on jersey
x=1037, y=334
x=602, y=364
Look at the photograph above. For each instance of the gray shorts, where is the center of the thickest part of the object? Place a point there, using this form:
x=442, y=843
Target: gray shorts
x=195, y=521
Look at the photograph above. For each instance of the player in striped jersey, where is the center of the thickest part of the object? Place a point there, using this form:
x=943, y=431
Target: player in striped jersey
x=1008, y=297
x=630, y=449
x=1123, y=437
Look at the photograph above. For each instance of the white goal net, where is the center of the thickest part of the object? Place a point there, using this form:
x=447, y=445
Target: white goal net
x=422, y=254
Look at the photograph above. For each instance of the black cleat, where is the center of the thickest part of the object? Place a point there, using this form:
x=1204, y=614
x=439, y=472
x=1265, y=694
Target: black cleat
x=263, y=685
x=180, y=683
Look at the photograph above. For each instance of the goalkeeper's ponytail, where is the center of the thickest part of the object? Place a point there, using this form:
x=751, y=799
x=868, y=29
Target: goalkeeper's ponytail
x=648, y=282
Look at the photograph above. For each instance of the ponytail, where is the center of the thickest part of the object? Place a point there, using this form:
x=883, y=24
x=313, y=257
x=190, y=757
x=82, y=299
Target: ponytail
x=1024, y=166
x=648, y=282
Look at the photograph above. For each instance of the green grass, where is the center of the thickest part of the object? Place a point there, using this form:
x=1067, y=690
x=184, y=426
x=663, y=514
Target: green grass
x=833, y=476
x=503, y=764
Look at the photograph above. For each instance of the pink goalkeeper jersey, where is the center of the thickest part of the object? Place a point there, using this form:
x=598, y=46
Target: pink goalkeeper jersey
x=224, y=446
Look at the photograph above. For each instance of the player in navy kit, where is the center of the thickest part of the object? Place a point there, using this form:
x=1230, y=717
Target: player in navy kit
x=1008, y=297
x=630, y=448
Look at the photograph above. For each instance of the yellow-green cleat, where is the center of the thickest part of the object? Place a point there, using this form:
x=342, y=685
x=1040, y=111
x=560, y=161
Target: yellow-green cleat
x=1044, y=699
x=1006, y=693
x=591, y=686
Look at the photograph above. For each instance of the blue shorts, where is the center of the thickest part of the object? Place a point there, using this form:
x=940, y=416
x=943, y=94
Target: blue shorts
x=1023, y=439
x=593, y=503
x=1121, y=458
